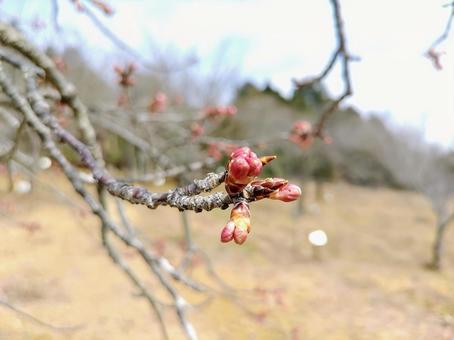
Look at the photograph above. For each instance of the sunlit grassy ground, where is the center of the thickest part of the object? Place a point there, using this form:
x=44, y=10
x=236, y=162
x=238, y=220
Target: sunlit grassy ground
x=369, y=282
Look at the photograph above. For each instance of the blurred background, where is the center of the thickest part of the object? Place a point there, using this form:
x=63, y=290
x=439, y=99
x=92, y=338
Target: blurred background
x=365, y=253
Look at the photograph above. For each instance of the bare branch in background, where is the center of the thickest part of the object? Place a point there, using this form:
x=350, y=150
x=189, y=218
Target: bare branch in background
x=39, y=322
x=447, y=29
x=29, y=101
x=342, y=55
x=432, y=53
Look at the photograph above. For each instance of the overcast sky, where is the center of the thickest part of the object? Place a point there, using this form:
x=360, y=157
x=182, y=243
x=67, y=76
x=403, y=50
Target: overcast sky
x=277, y=40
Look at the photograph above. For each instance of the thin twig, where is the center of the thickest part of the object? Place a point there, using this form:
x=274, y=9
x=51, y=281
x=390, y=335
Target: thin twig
x=37, y=321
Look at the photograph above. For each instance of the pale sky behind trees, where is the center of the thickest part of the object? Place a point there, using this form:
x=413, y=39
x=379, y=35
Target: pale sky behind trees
x=277, y=40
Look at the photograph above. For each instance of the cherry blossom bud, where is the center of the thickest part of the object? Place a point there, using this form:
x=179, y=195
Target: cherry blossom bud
x=239, y=224
x=244, y=165
x=302, y=134
x=214, y=151
x=263, y=188
x=240, y=234
x=196, y=130
x=125, y=74
x=435, y=57
x=227, y=232
x=287, y=193
x=239, y=170
x=241, y=217
x=158, y=103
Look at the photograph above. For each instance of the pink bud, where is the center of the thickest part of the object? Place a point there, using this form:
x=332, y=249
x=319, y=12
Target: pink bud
x=196, y=130
x=214, y=151
x=287, y=193
x=256, y=167
x=227, y=232
x=244, y=151
x=240, y=235
x=158, y=103
x=239, y=169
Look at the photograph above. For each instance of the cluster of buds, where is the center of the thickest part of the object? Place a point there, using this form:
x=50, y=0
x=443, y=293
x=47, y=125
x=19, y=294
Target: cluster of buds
x=125, y=74
x=217, y=150
x=302, y=134
x=219, y=111
x=243, y=167
x=273, y=188
x=241, y=184
x=158, y=103
x=239, y=225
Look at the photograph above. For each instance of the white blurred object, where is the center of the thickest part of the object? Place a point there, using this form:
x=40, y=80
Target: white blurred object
x=318, y=238
x=22, y=187
x=86, y=177
x=44, y=163
x=159, y=181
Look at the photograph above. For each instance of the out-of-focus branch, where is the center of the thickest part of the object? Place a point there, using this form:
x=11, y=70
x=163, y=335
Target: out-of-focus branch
x=8, y=157
x=447, y=29
x=432, y=53
x=124, y=47
x=342, y=55
x=156, y=264
x=16, y=41
x=345, y=58
x=35, y=320
x=120, y=261
x=172, y=172
x=54, y=14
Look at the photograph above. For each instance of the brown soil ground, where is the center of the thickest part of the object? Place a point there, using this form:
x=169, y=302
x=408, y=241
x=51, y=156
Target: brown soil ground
x=369, y=282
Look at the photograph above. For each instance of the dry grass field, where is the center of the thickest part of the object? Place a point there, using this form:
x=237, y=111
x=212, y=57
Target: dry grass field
x=369, y=282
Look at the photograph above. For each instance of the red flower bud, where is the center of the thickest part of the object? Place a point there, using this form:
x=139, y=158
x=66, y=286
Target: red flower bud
x=158, y=103
x=214, y=151
x=287, y=193
x=302, y=134
x=227, y=232
x=239, y=170
x=244, y=152
x=240, y=235
x=435, y=57
x=243, y=166
x=239, y=224
x=196, y=130
x=125, y=74
x=240, y=157
x=263, y=188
